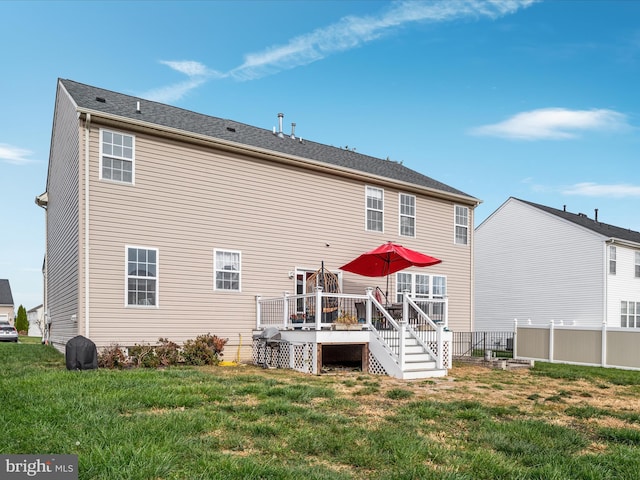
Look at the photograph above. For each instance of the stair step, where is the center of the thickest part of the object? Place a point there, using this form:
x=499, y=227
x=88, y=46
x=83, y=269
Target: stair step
x=418, y=357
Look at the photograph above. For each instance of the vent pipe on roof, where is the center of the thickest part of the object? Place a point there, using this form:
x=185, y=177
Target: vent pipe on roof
x=293, y=129
x=564, y=208
x=280, y=118
x=138, y=107
x=596, y=210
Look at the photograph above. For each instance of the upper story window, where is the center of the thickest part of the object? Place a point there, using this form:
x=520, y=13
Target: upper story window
x=116, y=156
x=407, y=215
x=612, y=260
x=142, y=276
x=227, y=270
x=637, y=264
x=461, y=225
x=375, y=209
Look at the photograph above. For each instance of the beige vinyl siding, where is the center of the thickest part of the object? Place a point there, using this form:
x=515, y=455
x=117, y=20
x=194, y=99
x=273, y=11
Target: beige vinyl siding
x=188, y=201
x=63, y=222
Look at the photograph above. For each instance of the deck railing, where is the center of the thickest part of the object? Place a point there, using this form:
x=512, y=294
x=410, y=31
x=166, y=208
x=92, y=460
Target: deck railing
x=424, y=319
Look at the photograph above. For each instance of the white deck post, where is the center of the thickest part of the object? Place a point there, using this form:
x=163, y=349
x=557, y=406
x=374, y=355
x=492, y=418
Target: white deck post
x=285, y=309
x=369, y=306
x=258, y=311
x=318, y=308
x=401, y=344
x=446, y=311
x=440, y=347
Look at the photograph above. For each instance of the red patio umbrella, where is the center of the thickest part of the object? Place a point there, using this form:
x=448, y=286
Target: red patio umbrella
x=387, y=259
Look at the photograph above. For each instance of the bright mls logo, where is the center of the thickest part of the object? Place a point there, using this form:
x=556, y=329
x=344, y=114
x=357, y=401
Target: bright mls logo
x=50, y=467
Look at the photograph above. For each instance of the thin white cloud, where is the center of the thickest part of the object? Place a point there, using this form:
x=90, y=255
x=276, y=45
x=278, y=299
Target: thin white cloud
x=197, y=72
x=14, y=155
x=351, y=32
x=589, y=189
x=554, y=124
x=347, y=33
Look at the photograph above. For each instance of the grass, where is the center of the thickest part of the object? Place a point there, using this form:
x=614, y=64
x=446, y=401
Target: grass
x=555, y=422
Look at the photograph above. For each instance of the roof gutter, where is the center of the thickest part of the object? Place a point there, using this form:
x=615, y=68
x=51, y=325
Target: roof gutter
x=293, y=160
x=624, y=243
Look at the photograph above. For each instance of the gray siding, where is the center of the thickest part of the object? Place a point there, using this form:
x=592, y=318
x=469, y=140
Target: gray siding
x=63, y=221
x=530, y=264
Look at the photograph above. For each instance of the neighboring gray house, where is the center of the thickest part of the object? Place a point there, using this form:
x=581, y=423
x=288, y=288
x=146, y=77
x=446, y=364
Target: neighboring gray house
x=162, y=222
x=542, y=264
x=7, y=308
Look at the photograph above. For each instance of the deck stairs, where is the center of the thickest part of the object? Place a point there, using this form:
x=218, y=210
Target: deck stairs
x=416, y=361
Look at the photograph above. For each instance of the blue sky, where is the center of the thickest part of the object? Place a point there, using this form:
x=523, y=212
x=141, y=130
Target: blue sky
x=537, y=100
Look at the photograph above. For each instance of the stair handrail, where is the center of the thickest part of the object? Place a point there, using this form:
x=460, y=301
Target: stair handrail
x=438, y=328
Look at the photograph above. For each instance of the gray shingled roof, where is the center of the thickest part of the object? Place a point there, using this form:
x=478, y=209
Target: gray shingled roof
x=609, y=231
x=5, y=292
x=122, y=105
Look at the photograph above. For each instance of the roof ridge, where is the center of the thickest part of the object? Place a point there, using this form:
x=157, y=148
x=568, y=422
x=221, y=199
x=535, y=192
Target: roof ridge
x=124, y=105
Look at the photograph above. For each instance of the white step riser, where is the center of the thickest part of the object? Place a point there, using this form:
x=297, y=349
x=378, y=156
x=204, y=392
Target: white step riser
x=418, y=357
x=428, y=365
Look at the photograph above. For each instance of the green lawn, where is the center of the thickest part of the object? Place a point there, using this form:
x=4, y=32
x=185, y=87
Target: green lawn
x=557, y=422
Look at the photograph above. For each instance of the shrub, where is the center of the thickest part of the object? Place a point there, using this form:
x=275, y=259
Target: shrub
x=112, y=357
x=167, y=353
x=143, y=356
x=204, y=350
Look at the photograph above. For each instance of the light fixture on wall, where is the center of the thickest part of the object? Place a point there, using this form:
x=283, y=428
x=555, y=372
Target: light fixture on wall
x=291, y=273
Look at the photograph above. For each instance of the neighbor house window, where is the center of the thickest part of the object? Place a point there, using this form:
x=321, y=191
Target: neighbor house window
x=375, y=209
x=637, y=264
x=630, y=314
x=116, y=156
x=407, y=215
x=142, y=276
x=461, y=225
x=227, y=270
x=612, y=260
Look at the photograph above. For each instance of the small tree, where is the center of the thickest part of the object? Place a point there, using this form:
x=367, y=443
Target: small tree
x=22, y=323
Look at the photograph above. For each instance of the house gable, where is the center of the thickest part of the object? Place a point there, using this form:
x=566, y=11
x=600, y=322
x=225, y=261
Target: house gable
x=531, y=265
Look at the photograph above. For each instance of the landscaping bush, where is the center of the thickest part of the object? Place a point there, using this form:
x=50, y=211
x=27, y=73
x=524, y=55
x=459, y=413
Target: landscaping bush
x=167, y=353
x=204, y=350
x=112, y=357
x=143, y=356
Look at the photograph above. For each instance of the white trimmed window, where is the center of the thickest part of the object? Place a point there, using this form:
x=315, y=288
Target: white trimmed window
x=637, y=264
x=142, y=276
x=612, y=260
x=420, y=286
x=116, y=156
x=407, y=215
x=630, y=314
x=227, y=271
x=375, y=209
x=461, y=225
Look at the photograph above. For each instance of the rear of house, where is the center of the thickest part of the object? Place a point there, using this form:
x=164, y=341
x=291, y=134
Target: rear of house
x=168, y=223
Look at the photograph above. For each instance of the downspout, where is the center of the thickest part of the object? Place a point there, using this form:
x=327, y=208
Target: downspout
x=87, y=126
